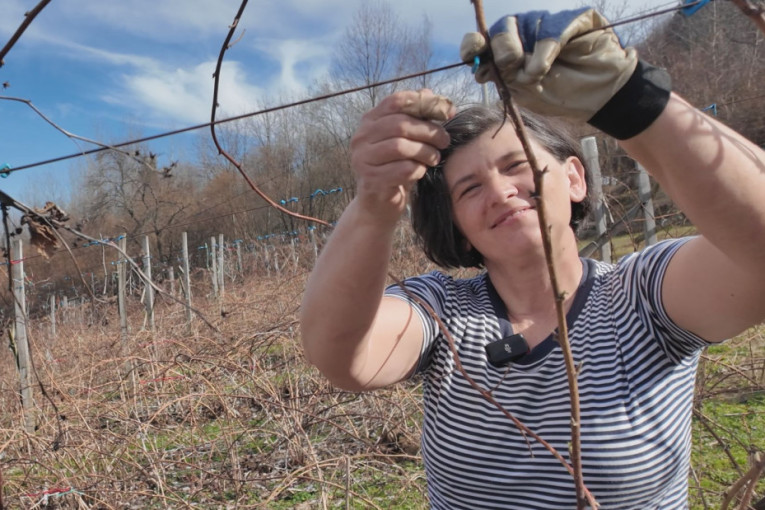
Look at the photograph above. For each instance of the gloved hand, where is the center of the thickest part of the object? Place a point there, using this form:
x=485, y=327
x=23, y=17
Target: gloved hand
x=554, y=65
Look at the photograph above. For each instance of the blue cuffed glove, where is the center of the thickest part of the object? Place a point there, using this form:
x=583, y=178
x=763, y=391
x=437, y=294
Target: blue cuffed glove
x=566, y=64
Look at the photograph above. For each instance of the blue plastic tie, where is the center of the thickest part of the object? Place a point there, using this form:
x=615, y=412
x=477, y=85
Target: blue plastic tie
x=476, y=63
x=712, y=107
x=3, y=169
x=693, y=6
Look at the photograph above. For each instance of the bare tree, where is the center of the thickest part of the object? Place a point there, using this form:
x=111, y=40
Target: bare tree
x=137, y=195
x=717, y=60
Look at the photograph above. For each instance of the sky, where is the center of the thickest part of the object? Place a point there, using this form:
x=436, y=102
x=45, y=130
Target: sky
x=118, y=70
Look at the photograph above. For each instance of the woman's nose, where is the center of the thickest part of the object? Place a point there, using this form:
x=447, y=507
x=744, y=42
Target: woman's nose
x=501, y=189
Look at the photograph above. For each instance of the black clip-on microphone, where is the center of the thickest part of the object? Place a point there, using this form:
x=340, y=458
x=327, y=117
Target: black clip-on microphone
x=510, y=348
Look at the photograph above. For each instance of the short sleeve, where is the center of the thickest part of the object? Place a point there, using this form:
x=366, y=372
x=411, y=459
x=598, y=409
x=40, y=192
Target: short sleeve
x=431, y=290
x=642, y=276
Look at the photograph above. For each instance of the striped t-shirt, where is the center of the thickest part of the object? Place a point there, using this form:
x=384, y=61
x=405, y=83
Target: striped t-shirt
x=635, y=384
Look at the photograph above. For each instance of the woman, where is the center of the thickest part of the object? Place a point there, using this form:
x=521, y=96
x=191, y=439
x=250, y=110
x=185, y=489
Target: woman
x=636, y=328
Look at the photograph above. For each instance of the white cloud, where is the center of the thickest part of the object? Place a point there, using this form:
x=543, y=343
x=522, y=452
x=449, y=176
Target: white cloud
x=168, y=95
x=171, y=96
x=300, y=62
x=100, y=56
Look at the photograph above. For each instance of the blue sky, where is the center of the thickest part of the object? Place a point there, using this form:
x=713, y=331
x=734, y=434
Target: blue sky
x=116, y=70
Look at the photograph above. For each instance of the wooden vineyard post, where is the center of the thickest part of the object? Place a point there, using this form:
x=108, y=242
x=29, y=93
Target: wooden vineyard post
x=53, y=316
x=293, y=251
x=212, y=252
x=644, y=194
x=186, y=276
x=122, y=291
x=265, y=259
x=148, y=289
x=171, y=277
x=20, y=338
x=590, y=149
x=239, y=266
x=221, y=264
x=276, y=259
x=313, y=242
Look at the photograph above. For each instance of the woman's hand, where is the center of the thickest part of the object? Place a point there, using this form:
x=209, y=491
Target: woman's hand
x=393, y=147
x=572, y=64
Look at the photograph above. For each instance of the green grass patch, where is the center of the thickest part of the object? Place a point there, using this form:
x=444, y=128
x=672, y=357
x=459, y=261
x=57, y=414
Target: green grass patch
x=399, y=486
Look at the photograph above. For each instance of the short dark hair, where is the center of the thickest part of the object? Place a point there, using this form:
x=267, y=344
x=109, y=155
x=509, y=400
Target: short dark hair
x=432, y=219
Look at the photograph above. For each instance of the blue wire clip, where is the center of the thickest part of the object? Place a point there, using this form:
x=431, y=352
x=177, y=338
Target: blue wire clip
x=693, y=6
x=3, y=169
x=712, y=107
x=476, y=63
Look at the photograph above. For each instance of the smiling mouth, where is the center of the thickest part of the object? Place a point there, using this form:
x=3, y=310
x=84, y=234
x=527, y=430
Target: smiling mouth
x=505, y=218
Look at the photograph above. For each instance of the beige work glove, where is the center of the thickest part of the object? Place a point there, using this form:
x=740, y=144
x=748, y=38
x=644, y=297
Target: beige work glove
x=566, y=64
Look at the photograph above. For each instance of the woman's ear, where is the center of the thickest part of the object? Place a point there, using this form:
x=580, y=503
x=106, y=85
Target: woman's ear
x=577, y=182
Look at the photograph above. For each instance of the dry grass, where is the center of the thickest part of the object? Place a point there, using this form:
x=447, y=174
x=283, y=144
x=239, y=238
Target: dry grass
x=189, y=417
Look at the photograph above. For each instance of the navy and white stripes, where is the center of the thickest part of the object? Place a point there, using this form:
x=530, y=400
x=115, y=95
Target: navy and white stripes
x=635, y=385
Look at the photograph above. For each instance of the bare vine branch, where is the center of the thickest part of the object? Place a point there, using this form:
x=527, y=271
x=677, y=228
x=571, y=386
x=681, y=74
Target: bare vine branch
x=757, y=461
x=7, y=200
x=28, y=18
x=75, y=137
x=264, y=111
x=559, y=296
x=221, y=151
x=524, y=429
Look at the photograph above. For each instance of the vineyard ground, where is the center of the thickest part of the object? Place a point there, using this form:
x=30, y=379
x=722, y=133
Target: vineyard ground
x=189, y=417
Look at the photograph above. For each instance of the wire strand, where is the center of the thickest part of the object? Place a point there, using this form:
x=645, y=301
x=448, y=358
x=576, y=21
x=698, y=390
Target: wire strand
x=238, y=117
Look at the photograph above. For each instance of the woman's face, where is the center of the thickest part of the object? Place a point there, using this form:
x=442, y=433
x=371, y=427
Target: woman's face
x=491, y=187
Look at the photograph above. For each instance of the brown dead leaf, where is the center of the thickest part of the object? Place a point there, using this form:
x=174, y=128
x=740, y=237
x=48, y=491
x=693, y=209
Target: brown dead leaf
x=429, y=108
x=42, y=236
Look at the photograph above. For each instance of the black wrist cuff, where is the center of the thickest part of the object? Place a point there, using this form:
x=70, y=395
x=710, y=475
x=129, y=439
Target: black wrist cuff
x=636, y=105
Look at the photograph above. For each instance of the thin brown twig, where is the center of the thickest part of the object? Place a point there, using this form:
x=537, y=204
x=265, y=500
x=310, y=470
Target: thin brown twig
x=28, y=18
x=732, y=368
x=559, y=296
x=7, y=200
x=751, y=477
x=221, y=151
x=725, y=446
x=264, y=111
x=758, y=466
x=74, y=259
x=525, y=430
x=325, y=97
x=72, y=136
x=301, y=473
x=701, y=490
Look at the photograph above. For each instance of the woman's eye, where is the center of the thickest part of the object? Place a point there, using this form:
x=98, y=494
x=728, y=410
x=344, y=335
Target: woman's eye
x=468, y=189
x=516, y=166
